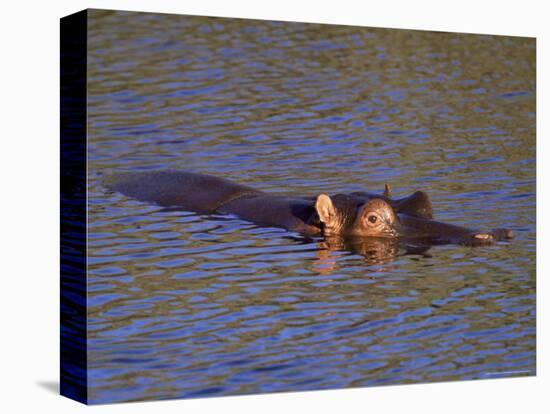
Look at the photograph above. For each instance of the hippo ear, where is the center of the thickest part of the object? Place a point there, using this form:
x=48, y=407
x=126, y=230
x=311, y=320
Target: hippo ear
x=325, y=209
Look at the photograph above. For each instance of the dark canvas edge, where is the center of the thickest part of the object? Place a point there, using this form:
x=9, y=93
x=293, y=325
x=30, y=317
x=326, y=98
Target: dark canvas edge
x=73, y=203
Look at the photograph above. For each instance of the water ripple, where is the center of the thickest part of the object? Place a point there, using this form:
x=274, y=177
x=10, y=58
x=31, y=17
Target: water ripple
x=189, y=305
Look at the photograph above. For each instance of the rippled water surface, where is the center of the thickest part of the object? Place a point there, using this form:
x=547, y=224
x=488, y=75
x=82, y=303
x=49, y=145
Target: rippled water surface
x=189, y=305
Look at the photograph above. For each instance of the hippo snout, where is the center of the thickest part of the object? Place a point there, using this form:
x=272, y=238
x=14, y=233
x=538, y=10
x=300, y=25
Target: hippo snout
x=503, y=234
x=483, y=239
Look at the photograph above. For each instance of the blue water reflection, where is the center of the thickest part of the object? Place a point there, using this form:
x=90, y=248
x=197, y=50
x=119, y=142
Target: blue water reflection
x=187, y=305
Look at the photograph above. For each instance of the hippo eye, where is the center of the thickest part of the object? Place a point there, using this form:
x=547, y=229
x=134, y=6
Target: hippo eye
x=372, y=218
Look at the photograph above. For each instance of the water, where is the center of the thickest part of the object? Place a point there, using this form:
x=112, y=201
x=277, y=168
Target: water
x=189, y=305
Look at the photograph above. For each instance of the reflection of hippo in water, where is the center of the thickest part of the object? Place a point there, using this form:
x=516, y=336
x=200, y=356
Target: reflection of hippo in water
x=357, y=214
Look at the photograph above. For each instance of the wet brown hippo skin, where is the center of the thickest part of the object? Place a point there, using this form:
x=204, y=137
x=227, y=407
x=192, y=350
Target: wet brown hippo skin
x=208, y=194
x=203, y=193
x=295, y=214
x=342, y=215
x=416, y=222
x=377, y=218
x=417, y=204
x=426, y=231
x=171, y=188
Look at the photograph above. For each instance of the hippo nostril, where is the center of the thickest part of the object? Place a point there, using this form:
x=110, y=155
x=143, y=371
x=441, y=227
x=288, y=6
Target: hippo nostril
x=479, y=239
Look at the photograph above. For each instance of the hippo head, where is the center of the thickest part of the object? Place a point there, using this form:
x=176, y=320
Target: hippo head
x=344, y=216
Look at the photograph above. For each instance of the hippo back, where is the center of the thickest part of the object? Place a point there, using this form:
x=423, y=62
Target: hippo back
x=170, y=188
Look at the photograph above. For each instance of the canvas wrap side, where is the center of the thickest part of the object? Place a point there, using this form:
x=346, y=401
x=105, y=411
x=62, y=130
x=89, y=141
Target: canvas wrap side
x=73, y=369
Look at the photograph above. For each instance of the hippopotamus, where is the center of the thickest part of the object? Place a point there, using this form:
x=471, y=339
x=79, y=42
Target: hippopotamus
x=353, y=213
x=358, y=214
